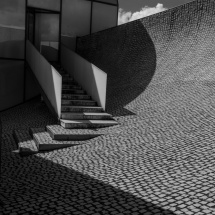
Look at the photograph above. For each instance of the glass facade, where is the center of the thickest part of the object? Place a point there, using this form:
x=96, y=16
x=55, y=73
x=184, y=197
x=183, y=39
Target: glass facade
x=45, y=4
x=76, y=16
x=108, y=1
x=47, y=35
x=12, y=28
x=11, y=83
x=103, y=16
x=82, y=17
x=41, y=24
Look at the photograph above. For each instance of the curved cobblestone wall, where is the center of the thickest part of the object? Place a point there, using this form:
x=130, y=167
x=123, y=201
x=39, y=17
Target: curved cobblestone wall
x=175, y=48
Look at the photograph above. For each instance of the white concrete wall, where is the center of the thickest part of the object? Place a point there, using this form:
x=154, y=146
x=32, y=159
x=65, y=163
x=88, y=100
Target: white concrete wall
x=50, y=80
x=90, y=77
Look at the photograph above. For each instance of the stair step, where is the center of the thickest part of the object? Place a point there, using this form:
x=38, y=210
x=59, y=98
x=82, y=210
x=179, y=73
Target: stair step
x=79, y=102
x=97, y=116
x=75, y=97
x=73, y=91
x=65, y=75
x=87, y=123
x=57, y=132
x=26, y=145
x=71, y=86
x=65, y=81
x=69, y=82
x=44, y=141
x=81, y=109
x=67, y=78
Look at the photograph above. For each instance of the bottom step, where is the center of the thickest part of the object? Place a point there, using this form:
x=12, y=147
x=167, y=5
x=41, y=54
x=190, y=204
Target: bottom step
x=26, y=145
x=57, y=132
x=45, y=143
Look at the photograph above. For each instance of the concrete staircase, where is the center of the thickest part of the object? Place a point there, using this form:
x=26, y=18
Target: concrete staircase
x=80, y=120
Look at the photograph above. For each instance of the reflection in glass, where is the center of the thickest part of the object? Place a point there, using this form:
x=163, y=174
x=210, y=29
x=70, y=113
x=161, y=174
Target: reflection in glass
x=104, y=16
x=11, y=83
x=30, y=27
x=45, y=4
x=108, y=1
x=75, y=20
x=47, y=35
x=12, y=28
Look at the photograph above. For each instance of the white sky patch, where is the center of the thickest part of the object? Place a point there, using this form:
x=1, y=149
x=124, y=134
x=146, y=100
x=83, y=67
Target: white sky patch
x=145, y=11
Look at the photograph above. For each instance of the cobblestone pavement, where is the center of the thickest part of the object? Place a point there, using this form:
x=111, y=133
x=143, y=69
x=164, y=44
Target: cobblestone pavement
x=162, y=164
x=159, y=160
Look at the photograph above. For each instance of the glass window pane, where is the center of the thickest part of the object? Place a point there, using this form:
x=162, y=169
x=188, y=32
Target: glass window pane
x=45, y=4
x=11, y=83
x=75, y=19
x=12, y=28
x=108, y=1
x=30, y=27
x=103, y=17
x=47, y=35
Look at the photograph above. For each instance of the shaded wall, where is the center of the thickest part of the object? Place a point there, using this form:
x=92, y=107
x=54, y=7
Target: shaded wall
x=175, y=47
x=127, y=54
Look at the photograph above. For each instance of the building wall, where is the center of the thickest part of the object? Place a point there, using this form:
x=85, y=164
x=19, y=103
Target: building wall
x=11, y=83
x=83, y=17
x=142, y=56
x=14, y=88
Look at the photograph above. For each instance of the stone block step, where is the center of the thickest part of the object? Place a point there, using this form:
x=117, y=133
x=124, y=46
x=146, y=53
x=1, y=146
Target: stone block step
x=26, y=145
x=73, y=91
x=81, y=109
x=44, y=141
x=79, y=102
x=71, y=86
x=87, y=123
x=57, y=132
x=75, y=97
x=99, y=116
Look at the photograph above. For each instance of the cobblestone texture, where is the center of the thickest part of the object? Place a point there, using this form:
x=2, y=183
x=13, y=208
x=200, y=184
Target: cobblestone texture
x=25, y=143
x=160, y=158
x=45, y=142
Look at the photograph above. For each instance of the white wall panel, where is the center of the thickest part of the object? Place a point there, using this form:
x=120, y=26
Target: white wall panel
x=103, y=17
